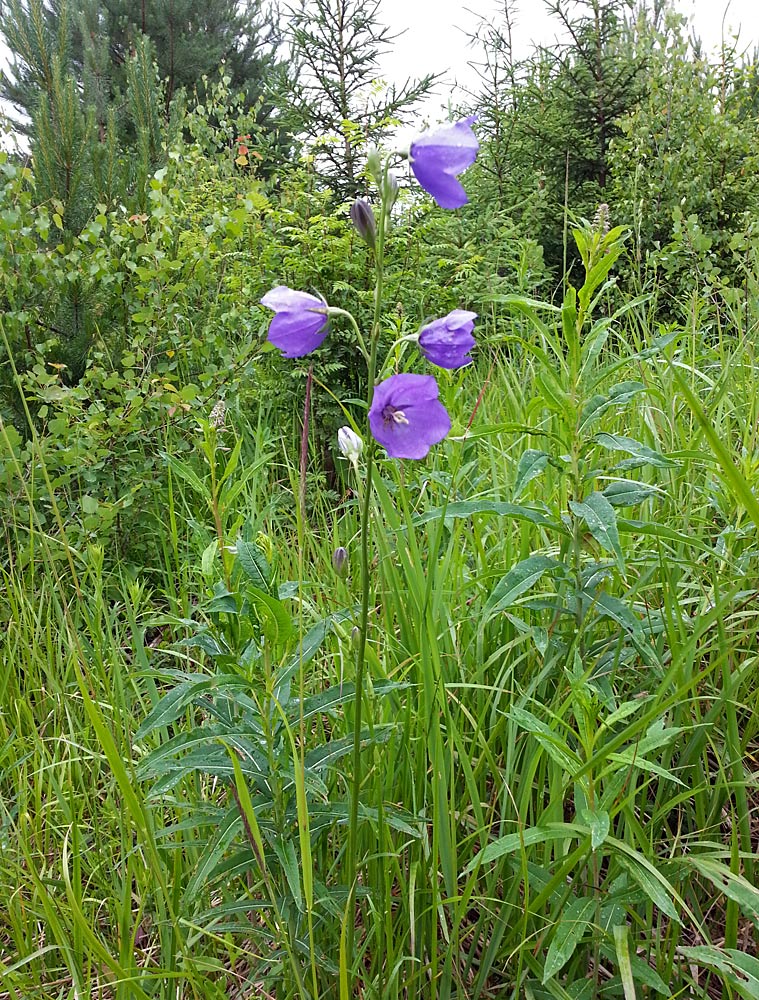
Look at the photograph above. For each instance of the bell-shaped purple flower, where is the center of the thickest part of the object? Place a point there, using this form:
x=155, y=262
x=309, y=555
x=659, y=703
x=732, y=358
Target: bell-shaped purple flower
x=300, y=324
x=438, y=157
x=447, y=342
x=406, y=416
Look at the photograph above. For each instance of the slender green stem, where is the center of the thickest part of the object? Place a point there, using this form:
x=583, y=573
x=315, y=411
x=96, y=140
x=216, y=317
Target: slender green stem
x=351, y=863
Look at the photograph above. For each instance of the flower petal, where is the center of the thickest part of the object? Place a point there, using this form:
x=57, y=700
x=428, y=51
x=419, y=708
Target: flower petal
x=446, y=342
x=443, y=187
x=283, y=298
x=439, y=155
x=427, y=424
x=297, y=334
x=300, y=323
x=424, y=420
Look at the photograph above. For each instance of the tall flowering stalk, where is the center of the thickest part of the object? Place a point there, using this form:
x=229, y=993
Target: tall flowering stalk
x=404, y=413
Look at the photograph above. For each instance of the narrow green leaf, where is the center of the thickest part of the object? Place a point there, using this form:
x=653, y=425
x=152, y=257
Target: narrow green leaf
x=573, y=923
x=622, y=948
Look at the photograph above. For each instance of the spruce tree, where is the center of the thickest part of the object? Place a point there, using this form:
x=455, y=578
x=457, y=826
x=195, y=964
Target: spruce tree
x=96, y=39
x=558, y=112
x=337, y=45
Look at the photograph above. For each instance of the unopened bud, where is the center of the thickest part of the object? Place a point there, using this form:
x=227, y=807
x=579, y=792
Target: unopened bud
x=340, y=561
x=364, y=222
x=350, y=445
x=391, y=190
x=374, y=166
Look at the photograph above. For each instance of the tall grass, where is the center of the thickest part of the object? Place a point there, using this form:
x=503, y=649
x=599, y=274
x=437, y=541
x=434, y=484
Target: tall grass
x=529, y=827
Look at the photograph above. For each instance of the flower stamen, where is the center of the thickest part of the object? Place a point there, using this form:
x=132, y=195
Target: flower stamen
x=390, y=414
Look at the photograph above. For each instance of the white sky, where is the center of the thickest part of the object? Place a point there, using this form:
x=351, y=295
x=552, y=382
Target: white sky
x=435, y=34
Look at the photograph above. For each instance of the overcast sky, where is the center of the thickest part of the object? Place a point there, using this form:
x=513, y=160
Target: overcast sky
x=435, y=33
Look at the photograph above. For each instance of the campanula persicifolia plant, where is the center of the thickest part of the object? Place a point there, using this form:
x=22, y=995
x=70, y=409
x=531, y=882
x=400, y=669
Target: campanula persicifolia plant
x=404, y=412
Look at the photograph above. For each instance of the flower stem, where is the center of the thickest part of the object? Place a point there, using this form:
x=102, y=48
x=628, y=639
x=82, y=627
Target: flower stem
x=351, y=862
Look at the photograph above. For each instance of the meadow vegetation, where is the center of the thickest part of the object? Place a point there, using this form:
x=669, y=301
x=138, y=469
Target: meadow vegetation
x=277, y=721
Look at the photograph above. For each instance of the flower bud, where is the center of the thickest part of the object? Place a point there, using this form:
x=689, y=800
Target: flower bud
x=363, y=221
x=350, y=445
x=391, y=190
x=340, y=562
x=374, y=166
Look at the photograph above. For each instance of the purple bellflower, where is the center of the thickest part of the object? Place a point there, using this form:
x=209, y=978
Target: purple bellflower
x=300, y=323
x=438, y=157
x=447, y=342
x=406, y=416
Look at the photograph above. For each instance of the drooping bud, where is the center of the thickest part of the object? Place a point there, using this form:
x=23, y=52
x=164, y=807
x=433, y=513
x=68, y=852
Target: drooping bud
x=364, y=222
x=350, y=445
x=340, y=562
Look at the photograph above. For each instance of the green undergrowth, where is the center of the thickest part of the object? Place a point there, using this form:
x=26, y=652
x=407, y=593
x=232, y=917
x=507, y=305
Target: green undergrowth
x=559, y=794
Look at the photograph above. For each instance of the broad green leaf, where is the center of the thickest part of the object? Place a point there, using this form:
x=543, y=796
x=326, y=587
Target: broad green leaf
x=285, y=852
x=641, y=452
x=617, y=397
x=232, y=463
x=253, y=563
x=592, y=345
x=339, y=694
x=517, y=581
x=734, y=886
x=574, y=921
x=468, y=508
x=612, y=607
x=651, y=882
x=276, y=623
x=173, y=704
x=183, y=470
x=514, y=842
x=330, y=753
x=598, y=514
x=622, y=948
x=552, y=743
x=733, y=478
x=306, y=651
x=208, y=558
x=630, y=759
x=553, y=394
x=531, y=465
x=212, y=853
x=741, y=971
x=597, y=821
x=627, y=493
